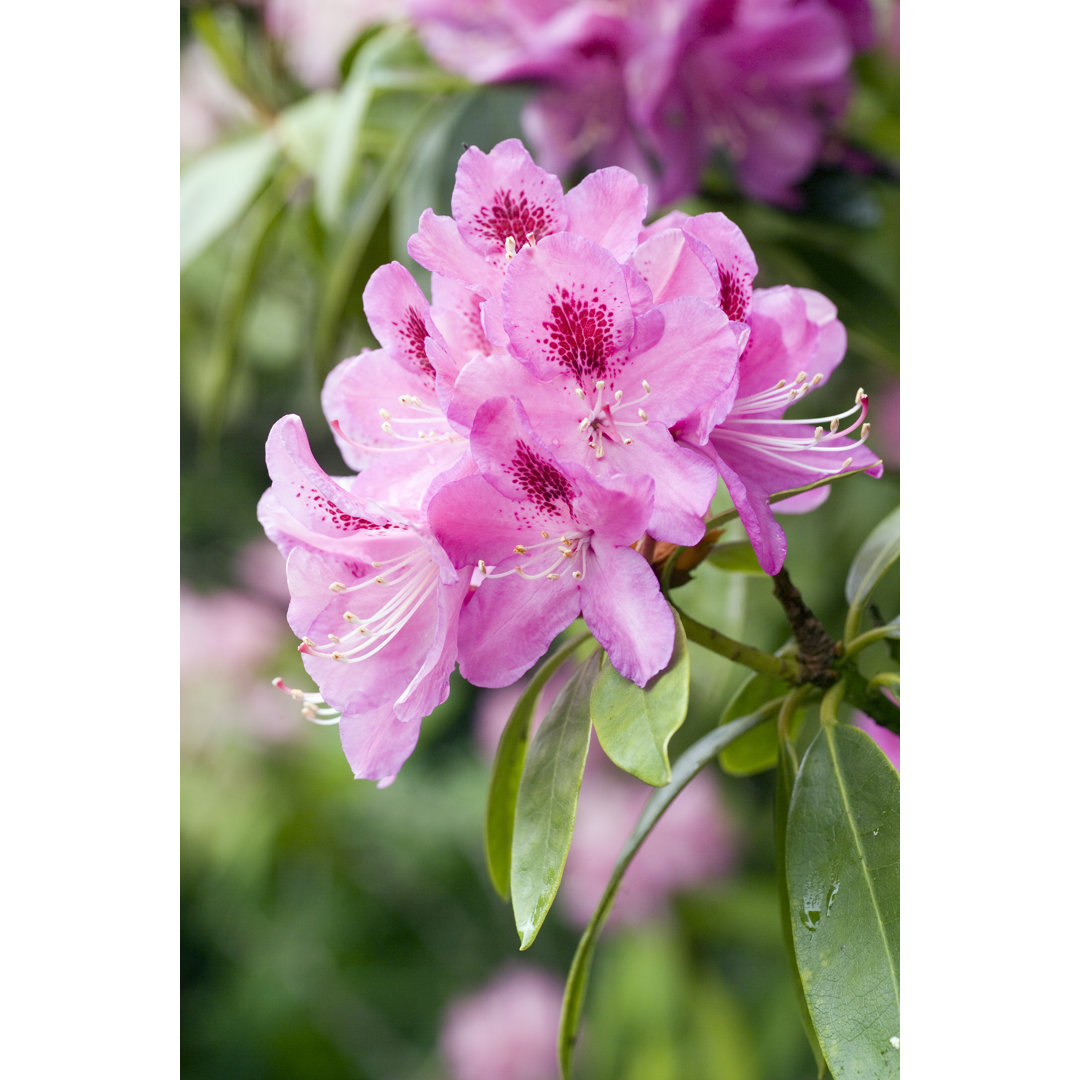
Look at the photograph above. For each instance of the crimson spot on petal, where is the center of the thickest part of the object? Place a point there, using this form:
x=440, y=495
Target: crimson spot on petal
x=540, y=480
x=510, y=215
x=581, y=336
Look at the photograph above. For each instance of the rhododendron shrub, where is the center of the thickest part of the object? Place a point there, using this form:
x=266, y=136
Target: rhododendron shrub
x=545, y=447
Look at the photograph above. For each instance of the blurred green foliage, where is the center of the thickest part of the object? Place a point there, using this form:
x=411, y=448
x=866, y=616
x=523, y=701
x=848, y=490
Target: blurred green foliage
x=327, y=925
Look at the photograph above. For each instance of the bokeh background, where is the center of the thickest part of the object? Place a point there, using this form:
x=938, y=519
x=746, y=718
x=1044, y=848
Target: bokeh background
x=329, y=929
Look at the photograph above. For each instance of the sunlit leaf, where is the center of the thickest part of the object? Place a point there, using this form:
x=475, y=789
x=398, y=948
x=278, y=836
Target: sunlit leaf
x=216, y=188
x=843, y=870
x=547, y=802
x=635, y=725
x=506, y=772
x=344, y=141
x=304, y=127
x=692, y=761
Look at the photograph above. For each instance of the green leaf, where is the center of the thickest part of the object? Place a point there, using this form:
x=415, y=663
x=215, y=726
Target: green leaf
x=737, y=557
x=547, y=802
x=843, y=869
x=755, y=751
x=304, y=128
x=635, y=725
x=878, y=552
x=683, y=771
x=506, y=772
x=344, y=143
x=785, y=783
x=218, y=187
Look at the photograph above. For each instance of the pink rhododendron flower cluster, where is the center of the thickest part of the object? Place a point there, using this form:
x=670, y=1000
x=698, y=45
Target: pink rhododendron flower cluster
x=657, y=86
x=578, y=380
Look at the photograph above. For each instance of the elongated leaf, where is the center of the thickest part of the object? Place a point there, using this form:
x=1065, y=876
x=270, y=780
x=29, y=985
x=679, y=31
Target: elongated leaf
x=843, y=869
x=737, y=557
x=547, y=802
x=635, y=725
x=879, y=551
x=303, y=129
x=344, y=142
x=785, y=783
x=755, y=751
x=218, y=187
x=682, y=772
x=506, y=772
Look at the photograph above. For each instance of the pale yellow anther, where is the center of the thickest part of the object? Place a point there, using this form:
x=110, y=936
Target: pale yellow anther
x=482, y=566
x=338, y=586
x=643, y=414
x=627, y=442
x=384, y=413
x=520, y=549
x=349, y=617
x=336, y=656
x=645, y=386
x=834, y=426
x=544, y=534
x=554, y=577
x=334, y=638
x=801, y=377
x=816, y=379
x=818, y=433
x=860, y=396
x=530, y=239
x=577, y=575
x=600, y=384
x=307, y=712
x=511, y=247
x=308, y=642
x=864, y=431
x=847, y=463
x=781, y=384
x=568, y=554
x=388, y=428
x=618, y=396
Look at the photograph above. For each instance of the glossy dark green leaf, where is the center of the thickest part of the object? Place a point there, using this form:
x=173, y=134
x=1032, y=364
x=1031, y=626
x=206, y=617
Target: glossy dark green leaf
x=216, y=188
x=738, y=557
x=878, y=552
x=506, y=772
x=682, y=772
x=843, y=871
x=547, y=802
x=787, y=768
x=755, y=751
x=635, y=724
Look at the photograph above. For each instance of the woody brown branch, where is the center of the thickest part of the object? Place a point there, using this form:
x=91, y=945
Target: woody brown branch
x=817, y=651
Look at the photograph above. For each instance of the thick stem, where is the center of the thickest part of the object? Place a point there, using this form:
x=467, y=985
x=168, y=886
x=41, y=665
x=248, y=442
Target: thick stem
x=817, y=650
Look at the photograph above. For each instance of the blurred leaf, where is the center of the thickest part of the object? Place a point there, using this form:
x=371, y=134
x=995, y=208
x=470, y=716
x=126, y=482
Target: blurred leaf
x=755, y=751
x=634, y=725
x=245, y=262
x=547, y=802
x=222, y=32
x=843, y=869
x=304, y=127
x=218, y=187
x=737, y=557
x=506, y=772
x=878, y=552
x=696, y=757
x=344, y=141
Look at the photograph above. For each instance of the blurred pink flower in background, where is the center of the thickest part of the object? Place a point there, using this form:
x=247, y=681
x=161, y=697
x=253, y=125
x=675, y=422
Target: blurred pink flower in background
x=317, y=34
x=658, y=87
x=505, y=1031
x=226, y=638
x=209, y=105
x=693, y=842
x=886, y=739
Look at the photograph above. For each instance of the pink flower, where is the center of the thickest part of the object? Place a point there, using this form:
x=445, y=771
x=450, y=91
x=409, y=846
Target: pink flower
x=888, y=741
x=793, y=332
x=551, y=543
x=374, y=600
x=506, y=1030
x=659, y=87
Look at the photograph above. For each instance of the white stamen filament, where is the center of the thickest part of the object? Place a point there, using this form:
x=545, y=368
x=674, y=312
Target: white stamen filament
x=601, y=422
x=566, y=547
x=313, y=707
x=412, y=588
